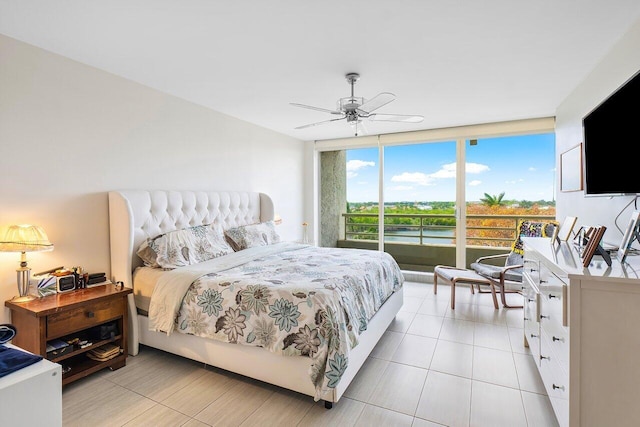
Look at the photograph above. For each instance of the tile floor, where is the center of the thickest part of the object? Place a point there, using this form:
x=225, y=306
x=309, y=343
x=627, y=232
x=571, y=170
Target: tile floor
x=434, y=366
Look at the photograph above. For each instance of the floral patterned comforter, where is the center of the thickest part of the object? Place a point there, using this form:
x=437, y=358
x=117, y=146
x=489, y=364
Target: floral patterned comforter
x=294, y=300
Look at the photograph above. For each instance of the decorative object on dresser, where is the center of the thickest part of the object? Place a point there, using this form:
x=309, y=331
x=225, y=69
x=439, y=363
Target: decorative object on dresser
x=46, y=324
x=25, y=238
x=564, y=231
x=580, y=324
x=631, y=234
x=280, y=312
x=594, y=247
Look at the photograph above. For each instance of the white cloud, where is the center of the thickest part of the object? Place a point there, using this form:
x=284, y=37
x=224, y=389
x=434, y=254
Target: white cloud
x=476, y=168
x=449, y=170
x=446, y=171
x=532, y=169
x=354, y=165
x=475, y=183
x=418, y=178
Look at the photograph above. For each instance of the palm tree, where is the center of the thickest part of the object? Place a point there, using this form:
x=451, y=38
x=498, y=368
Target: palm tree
x=490, y=200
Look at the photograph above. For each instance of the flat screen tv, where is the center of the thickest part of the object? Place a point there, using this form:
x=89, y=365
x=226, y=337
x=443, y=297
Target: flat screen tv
x=610, y=130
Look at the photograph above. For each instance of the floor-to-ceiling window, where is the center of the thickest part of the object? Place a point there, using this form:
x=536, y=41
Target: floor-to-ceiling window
x=419, y=189
x=425, y=198
x=507, y=178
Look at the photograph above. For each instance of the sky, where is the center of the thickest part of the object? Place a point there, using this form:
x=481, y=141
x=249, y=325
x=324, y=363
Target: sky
x=523, y=167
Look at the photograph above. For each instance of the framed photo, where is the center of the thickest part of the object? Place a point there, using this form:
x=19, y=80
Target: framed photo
x=564, y=232
x=630, y=234
x=592, y=245
x=571, y=169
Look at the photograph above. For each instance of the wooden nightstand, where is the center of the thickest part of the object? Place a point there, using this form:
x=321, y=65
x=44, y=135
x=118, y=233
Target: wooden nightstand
x=70, y=315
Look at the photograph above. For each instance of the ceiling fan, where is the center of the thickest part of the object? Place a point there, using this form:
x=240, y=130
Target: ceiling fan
x=354, y=109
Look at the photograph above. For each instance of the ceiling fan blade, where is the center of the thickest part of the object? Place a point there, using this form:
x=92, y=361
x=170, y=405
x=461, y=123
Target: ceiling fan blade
x=396, y=118
x=316, y=108
x=376, y=102
x=318, y=123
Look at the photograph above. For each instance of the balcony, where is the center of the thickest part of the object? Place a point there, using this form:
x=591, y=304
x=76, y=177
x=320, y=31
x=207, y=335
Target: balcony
x=419, y=242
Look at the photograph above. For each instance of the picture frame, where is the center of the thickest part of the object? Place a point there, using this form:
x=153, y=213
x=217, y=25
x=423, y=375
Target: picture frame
x=593, y=245
x=571, y=169
x=563, y=233
x=630, y=235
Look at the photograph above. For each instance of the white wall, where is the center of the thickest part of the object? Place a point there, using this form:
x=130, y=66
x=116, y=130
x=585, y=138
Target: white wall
x=620, y=64
x=69, y=133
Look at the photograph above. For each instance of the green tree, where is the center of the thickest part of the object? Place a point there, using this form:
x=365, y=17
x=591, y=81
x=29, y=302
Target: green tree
x=490, y=200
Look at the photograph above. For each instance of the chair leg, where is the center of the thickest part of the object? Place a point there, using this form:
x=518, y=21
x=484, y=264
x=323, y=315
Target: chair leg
x=435, y=283
x=493, y=295
x=504, y=300
x=503, y=297
x=453, y=295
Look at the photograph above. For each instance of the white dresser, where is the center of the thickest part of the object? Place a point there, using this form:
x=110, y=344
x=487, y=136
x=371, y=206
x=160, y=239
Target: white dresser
x=32, y=396
x=583, y=328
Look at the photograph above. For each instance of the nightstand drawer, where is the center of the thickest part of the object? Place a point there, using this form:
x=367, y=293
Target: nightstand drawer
x=69, y=321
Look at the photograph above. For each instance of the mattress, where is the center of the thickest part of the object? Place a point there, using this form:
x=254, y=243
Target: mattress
x=144, y=281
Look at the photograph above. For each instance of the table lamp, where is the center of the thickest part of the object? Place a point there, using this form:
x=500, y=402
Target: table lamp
x=25, y=238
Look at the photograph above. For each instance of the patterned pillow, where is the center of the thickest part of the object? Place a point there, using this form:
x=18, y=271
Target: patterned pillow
x=184, y=247
x=528, y=228
x=248, y=236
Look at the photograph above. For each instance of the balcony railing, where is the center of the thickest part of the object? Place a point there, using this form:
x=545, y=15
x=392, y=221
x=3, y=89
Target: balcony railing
x=424, y=229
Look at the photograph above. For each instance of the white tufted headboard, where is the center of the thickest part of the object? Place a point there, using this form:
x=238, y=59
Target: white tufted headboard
x=135, y=215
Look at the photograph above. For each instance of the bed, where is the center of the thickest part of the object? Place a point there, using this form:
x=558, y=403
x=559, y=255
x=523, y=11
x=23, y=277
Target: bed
x=297, y=316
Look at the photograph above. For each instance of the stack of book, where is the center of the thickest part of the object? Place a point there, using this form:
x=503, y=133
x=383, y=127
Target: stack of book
x=104, y=352
x=96, y=279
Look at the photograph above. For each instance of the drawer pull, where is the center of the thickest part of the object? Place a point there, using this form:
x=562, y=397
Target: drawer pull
x=544, y=281
x=545, y=357
x=90, y=314
x=557, y=387
x=542, y=316
x=552, y=296
x=526, y=318
x=530, y=300
x=557, y=339
x=533, y=336
x=533, y=269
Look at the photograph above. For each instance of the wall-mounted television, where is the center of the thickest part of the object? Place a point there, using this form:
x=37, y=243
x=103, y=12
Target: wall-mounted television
x=611, y=131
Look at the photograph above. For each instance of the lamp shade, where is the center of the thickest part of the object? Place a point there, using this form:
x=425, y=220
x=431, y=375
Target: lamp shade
x=25, y=238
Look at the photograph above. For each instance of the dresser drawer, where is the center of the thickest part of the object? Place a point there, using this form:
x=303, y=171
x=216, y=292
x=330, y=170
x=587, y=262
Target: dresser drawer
x=69, y=321
x=554, y=373
x=558, y=344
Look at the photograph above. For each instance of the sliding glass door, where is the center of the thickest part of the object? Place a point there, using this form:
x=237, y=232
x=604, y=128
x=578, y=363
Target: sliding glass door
x=508, y=179
x=435, y=197
x=420, y=201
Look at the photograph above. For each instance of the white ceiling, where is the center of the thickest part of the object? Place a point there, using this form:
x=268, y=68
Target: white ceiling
x=454, y=62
